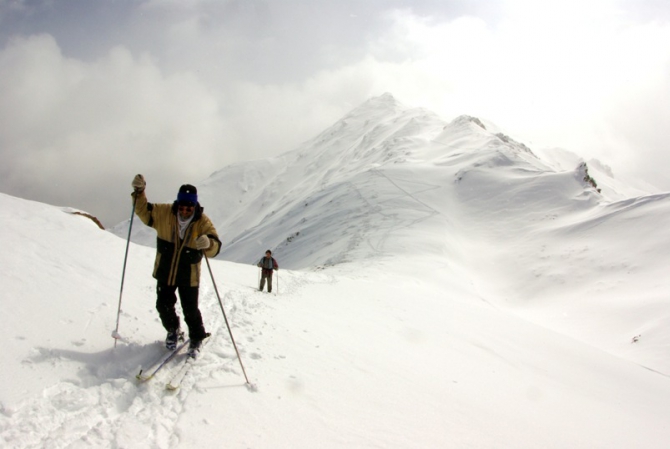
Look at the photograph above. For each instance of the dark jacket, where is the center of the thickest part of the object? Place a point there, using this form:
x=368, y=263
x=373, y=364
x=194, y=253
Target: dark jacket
x=177, y=261
x=268, y=264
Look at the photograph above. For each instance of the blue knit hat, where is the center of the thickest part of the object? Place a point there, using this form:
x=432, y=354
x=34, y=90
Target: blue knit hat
x=188, y=195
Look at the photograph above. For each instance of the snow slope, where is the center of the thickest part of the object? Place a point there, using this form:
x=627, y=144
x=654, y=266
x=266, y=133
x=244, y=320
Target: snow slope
x=446, y=287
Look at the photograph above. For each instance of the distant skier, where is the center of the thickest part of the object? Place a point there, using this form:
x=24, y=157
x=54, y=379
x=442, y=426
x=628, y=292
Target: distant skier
x=183, y=234
x=267, y=265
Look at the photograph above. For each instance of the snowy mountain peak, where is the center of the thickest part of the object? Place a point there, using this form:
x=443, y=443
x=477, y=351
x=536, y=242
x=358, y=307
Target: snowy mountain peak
x=466, y=119
x=375, y=120
x=360, y=181
x=383, y=101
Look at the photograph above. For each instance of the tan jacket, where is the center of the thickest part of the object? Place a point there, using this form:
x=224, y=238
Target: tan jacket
x=177, y=261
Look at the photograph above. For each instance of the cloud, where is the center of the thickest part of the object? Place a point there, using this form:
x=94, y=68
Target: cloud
x=571, y=75
x=77, y=132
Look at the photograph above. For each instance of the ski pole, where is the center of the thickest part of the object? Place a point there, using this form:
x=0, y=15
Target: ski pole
x=225, y=318
x=115, y=334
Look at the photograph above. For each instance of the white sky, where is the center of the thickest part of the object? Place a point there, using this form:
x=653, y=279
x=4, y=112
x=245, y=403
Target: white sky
x=92, y=93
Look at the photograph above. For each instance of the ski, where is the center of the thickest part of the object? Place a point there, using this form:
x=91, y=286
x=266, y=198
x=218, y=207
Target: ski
x=147, y=374
x=175, y=382
x=186, y=366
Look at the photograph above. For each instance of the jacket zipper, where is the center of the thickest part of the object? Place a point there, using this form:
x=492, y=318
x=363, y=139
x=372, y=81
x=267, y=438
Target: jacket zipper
x=172, y=278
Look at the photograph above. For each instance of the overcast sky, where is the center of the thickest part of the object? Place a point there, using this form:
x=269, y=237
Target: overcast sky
x=93, y=92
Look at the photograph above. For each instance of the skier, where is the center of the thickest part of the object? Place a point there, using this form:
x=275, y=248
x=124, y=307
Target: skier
x=184, y=232
x=267, y=264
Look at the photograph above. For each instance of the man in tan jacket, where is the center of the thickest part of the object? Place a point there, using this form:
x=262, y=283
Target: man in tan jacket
x=184, y=233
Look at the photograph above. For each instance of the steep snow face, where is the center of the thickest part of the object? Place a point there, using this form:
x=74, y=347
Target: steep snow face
x=263, y=202
x=309, y=194
x=382, y=180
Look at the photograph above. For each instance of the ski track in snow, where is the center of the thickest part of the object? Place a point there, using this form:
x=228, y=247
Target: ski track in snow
x=107, y=404
x=389, y=222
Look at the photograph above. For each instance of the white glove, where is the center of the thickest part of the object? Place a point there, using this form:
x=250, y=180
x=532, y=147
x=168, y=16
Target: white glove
x=202, y=242
x=139, y=183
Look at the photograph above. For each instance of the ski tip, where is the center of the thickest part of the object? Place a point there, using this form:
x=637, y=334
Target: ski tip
x=142, y=378
x=171, y=387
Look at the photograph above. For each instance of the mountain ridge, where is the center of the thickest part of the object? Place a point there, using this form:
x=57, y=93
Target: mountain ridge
x=379, y=133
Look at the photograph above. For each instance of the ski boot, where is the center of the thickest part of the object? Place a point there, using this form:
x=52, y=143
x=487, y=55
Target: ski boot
x=194, y=347
x=173, y=337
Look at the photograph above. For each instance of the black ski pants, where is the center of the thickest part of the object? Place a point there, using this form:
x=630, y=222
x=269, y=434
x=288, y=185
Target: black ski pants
x=266, y=275
x=165, y=304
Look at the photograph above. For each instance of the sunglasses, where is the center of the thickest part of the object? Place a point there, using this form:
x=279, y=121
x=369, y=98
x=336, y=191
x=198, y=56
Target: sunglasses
x=186, y=206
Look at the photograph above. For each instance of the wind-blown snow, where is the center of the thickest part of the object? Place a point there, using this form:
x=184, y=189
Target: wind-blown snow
x=441, y=286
